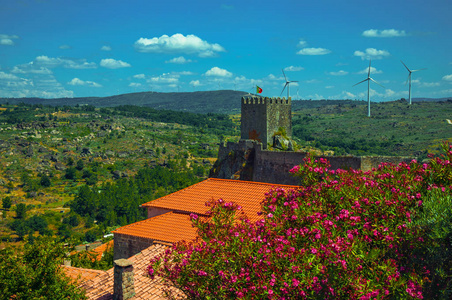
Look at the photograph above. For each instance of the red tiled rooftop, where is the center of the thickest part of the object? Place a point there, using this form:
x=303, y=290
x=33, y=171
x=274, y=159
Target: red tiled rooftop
x=170, y=227
x=81, y=275
x=101, y=287
x=247, y=194
x=99, y=251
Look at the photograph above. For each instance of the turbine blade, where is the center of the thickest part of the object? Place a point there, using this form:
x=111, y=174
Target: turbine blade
x=284, y=74
x=368, y=71
x=361, y=81
x=377, y=83
x=406, y=67
x=283, y=89
x=408, y=78
x=419, y=70
x=293, y=81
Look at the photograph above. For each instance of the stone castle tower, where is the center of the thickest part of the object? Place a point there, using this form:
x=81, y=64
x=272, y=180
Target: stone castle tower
x=262, y=117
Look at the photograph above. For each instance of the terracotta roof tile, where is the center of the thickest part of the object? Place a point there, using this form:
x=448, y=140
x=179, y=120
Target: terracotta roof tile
x=170, y=227
x=101, y=287
x=81, y=275
x=99, y=251
x=248, y=194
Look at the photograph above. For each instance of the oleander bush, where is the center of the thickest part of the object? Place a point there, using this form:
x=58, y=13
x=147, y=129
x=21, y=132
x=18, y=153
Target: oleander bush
x=343, y=234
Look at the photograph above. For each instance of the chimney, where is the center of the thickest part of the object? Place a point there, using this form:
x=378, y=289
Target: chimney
x=123, y=287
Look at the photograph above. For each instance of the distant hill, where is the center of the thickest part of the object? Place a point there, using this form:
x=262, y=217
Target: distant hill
x=223, y=101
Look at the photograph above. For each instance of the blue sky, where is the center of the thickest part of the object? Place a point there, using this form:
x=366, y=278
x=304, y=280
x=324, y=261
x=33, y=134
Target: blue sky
x=56, y=48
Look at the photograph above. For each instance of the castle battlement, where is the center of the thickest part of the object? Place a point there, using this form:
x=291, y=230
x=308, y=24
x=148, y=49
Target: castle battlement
x=266, y=100
x=263, y=116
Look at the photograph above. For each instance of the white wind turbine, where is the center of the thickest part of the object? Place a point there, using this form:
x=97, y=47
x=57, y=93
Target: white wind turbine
x=368, y=79
x=287, y=84
x=409, y=79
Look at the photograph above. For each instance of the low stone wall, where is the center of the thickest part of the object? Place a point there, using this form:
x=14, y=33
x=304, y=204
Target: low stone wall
x=126, y=246
x=247, y=160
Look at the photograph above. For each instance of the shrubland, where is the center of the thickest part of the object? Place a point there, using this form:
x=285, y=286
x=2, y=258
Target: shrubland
x=342, y=234
x=77, y=172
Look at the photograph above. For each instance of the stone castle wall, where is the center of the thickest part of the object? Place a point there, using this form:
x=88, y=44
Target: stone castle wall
x=247, y=160
x=262, y=117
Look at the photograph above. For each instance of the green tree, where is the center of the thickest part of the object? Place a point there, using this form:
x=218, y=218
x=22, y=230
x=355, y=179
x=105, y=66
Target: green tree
x=70, y=161
x=20, y=227
x=21, y=210
x=80, y=165
x=6, y=203
x=45, y=180
x=34, y=272
x=70, y=173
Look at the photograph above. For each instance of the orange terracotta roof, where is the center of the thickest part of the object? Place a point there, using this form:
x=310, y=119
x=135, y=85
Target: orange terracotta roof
x=81, y=275
x=101, y=287
x=99, y=251
x=170, y=227
x=247, y=194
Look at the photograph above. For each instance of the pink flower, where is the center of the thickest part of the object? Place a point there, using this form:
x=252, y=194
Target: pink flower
x=295, y=169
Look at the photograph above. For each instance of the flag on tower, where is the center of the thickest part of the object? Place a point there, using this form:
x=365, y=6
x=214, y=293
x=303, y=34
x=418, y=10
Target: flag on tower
x=258, y=90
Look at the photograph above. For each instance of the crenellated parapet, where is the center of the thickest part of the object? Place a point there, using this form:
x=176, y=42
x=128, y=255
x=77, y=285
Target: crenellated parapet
x=266, y=100
x=263, y=116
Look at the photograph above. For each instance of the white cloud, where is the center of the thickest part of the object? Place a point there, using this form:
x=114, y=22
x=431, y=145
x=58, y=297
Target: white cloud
x=313, y=51
x=165, y=78
x=430, y=84
x=42, y=85
x=338, y=73
x=215, y=71
x=273, y=77
x=315, y=97
x=195, y=83
x=7, y=40
x=293, y=68
x=6, y=76
x=349, y=95
x=77, y=81
x=178, y=43
x=139, y=76
x=302, y=44
x=384, y=33
x=30, y=68
x=183, y=73
x=372, y=71
x=388, y=93
x=65, y=47
x=105, y=48
x=111, y=63
x=51, y=62
x=447, y=77
x=371, y=53
x=178, y=60
x=134, y=84
x=245, y=83
x=313, y=81
x=329, y=86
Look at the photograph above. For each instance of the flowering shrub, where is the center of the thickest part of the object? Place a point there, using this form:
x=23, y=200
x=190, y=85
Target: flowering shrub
x=340, y=235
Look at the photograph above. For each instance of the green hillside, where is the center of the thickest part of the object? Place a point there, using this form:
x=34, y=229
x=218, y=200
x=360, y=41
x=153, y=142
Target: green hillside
x=395, y=128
